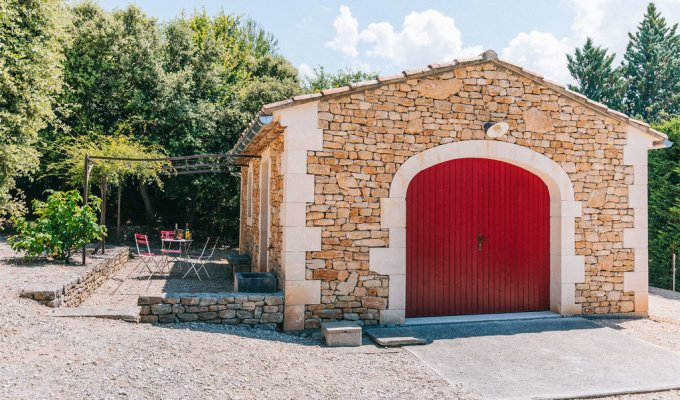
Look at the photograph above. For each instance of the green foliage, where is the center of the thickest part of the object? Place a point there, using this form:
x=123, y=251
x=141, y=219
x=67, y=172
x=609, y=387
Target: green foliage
x=322, y=79
x=651, y=68
x=113, y=171
x=31, y=38
x=62, y=226
x=591, y=67
x=664, y=205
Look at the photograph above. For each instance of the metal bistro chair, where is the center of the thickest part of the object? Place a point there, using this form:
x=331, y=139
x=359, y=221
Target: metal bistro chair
x=168, y=252
x=146, y=257
x=203, y=258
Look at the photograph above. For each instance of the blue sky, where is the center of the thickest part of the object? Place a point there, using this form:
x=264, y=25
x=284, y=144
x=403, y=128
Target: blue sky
x=389, y=36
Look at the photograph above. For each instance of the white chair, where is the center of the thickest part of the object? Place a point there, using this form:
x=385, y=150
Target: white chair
x=203, y=258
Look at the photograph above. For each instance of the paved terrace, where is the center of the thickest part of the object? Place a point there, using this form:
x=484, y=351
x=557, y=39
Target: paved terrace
x=125, y=286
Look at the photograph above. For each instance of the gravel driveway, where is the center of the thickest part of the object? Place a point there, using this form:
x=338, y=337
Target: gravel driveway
x=43, y=357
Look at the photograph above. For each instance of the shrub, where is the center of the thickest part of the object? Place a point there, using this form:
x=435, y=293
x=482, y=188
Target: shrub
x=62, y=225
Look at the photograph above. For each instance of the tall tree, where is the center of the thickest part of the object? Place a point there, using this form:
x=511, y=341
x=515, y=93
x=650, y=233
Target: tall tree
x=31, y=38
x=591, y=67
x=664, y=205
x=651, y=68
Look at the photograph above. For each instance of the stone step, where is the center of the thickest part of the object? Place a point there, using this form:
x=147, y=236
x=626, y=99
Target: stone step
x=392, y=337
x=127, y=313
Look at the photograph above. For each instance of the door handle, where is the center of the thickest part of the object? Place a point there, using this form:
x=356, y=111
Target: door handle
x=480, y=241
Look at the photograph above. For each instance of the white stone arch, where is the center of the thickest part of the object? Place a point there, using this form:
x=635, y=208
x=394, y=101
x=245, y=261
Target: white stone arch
x=566, y=268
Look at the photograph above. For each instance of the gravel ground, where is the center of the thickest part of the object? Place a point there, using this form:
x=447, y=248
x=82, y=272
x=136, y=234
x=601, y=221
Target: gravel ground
x=82, y=358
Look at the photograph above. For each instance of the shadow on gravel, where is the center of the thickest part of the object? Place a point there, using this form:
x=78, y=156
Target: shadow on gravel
x=313, y=340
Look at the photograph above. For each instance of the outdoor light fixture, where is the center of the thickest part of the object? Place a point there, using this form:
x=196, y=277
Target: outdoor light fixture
x=496, y=129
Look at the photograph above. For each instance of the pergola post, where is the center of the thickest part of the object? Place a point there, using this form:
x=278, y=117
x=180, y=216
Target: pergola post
x=86, y=186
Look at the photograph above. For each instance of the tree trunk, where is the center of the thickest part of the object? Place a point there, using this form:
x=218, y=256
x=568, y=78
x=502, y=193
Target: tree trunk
x=150, y=214
x=120, y=188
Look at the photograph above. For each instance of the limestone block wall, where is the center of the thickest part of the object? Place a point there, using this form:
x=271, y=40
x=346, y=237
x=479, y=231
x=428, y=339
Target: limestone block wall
x=250, y=230
x=368, y=135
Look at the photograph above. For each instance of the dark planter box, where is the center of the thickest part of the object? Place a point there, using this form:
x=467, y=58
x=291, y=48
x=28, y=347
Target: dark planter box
x=255, y=282
x=238, y=259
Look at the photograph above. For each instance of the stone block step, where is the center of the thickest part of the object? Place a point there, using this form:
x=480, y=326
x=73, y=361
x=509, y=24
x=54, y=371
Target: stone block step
x=342, y=333
x=127, y=313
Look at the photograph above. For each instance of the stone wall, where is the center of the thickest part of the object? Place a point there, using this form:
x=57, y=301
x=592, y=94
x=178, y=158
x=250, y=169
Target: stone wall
x=73, y=293
x=264, y=310
x=369, y=134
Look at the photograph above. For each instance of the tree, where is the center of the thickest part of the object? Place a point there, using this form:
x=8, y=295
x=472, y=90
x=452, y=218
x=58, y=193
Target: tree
x=651, y=68
x=591, y=67
x=31, y=39
x=320, y=79
x=114, y=173
x=62, y=226
x=664, y=205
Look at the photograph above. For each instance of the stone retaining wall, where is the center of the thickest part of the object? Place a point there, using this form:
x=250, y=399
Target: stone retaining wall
x=264, y=310
x=73, y=293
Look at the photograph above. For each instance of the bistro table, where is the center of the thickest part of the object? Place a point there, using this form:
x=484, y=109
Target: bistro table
x=183, y=245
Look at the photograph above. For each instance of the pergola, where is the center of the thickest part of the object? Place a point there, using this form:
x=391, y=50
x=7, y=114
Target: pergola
x=181, y=165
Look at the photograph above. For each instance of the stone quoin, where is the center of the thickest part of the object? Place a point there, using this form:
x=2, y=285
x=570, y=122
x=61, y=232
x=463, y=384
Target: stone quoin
x=325, y=206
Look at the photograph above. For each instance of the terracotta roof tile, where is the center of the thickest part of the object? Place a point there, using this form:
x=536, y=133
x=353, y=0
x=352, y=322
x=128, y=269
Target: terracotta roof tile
x=364, y=83
x=340, y=89
x=306, y=96
x=390, y=77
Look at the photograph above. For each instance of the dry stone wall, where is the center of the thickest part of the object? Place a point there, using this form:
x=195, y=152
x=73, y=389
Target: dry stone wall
x=369, y=134
x=253, y=309
x=73, y=293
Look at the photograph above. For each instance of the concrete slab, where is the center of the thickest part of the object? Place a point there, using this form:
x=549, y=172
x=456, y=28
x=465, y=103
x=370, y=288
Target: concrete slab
x=543, y=359
x=456, y=319
x=386, y=337
x=128, y=314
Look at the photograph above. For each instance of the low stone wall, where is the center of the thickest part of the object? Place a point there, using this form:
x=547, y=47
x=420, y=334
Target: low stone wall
x=264, y=310
x=73, y=293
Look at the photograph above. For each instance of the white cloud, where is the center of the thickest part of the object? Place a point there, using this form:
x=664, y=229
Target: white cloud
x=346, y=33
x=609, y=21
x=430, y=36
x=425, y=37
x=305, y=70
x=541, y=52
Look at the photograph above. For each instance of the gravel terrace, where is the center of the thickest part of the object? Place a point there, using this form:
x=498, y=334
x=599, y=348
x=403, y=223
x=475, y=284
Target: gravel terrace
x=43, y=357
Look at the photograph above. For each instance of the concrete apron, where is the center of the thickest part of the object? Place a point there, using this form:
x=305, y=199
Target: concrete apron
x=543, y=358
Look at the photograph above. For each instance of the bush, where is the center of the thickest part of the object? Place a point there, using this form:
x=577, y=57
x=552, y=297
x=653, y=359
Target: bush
x=62, y=226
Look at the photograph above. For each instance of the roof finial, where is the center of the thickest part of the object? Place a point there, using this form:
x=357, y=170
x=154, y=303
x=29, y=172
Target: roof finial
x=489, y=55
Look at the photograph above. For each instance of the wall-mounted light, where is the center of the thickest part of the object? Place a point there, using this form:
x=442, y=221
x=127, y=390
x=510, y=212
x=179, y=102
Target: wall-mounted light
x=496, y=129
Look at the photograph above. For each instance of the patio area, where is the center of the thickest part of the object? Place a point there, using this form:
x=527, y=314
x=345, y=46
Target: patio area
x=125, y=286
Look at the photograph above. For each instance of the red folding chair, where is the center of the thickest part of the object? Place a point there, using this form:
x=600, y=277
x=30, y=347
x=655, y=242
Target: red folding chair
x=147, y=257
x=167, y=250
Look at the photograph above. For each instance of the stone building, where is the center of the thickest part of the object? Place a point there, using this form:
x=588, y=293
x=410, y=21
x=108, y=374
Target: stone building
x=470, y=187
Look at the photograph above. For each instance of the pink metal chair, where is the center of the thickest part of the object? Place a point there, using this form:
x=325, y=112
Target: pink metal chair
x=147, y=258
x=167, y=250
x=203, y=258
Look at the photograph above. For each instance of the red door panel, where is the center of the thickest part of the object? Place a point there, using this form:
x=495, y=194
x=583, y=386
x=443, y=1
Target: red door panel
x=477, y=240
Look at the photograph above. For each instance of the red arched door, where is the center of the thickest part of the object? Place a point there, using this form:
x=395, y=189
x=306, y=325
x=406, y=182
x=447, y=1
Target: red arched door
x=477, y=240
